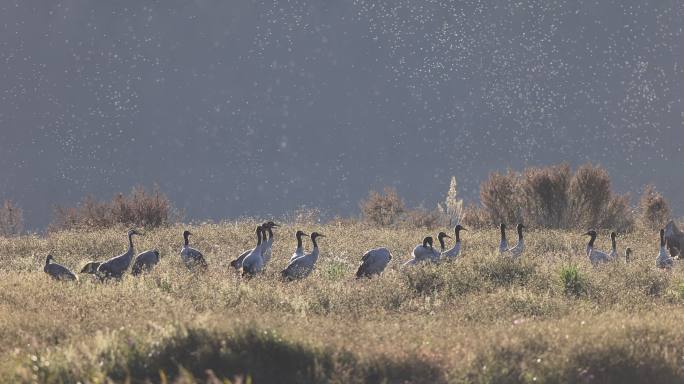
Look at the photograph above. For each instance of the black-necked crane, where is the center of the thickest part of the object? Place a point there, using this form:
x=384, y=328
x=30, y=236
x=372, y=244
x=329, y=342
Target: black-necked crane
x=118, y=265
x=301, y=267
x=191, y=257
x=57, y=271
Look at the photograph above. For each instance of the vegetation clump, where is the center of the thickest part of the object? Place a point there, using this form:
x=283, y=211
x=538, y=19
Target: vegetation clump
x=137, y=209
x=573, y=282
x=11, y=219
x=552, y=197
x=654, y=209
x=384, y=208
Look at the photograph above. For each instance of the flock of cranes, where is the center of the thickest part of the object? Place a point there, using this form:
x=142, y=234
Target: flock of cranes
x=253, y=261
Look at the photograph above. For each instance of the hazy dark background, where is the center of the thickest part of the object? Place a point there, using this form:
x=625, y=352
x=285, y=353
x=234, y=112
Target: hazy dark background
x=259, y=107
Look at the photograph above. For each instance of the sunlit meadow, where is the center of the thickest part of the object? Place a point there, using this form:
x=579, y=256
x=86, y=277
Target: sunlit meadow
x=548, y=317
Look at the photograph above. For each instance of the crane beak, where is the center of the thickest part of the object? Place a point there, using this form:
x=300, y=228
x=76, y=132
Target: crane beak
x=447, y=236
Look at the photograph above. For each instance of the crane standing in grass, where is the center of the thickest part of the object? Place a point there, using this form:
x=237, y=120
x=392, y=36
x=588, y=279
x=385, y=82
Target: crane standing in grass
x=423, y=252
x=299, y=251
x=237, y=263
x=374, y=262
x=595, y=256
x=503, y=243
x=145, y=262
x=91, y=267
x=191, y=257
x=519, y=248
x=455, y=251
x=57, y=271
x=613, y=246
x=301, y=267
x=440, y=237
x=118, y=265
x=254, y=262
x=664, y=261
x=268, y=246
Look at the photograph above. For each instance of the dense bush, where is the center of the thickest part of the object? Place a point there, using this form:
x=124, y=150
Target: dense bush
x=139, y=208
x=573, y=282
x=424, y=218
x=501, y=197
x=590, y=193
x=546, y=195
x=11, y=219
x=474, y=216
x=653, y=209
x=383, y=209
x=619, y=214
x=553, y=197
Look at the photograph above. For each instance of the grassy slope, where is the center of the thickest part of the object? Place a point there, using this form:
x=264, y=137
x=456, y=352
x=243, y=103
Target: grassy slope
x=482, y=319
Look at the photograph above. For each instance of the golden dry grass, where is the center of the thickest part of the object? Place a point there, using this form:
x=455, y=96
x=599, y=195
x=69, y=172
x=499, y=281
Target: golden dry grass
x=481, y=319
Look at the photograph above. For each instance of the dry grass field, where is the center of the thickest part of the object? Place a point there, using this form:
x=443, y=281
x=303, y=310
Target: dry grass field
x=549, y=317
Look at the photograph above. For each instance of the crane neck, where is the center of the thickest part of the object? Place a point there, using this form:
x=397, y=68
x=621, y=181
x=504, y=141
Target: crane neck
x=591, y=240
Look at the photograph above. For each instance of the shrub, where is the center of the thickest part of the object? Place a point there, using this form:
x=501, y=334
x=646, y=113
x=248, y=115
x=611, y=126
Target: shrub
x=654, y=209
x=139, y=208
x=593, y=204
x=502, y=272
x=476, y=217
x=423, y=218
x=546, y=195
x=618, y=215
x=552, y=197
x=424, y=281
x=648, y=281
x=11, y=219
x=572, y=281
x=383, y=209
x=500, y=196
x=589, y=195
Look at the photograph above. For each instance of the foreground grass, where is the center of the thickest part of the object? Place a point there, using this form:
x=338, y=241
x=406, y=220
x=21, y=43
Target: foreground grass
x=549, y=317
